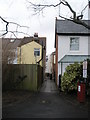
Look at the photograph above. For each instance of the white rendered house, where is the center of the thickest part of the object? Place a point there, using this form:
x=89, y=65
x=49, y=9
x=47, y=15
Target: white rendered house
x=48, y=64
x=72, y=43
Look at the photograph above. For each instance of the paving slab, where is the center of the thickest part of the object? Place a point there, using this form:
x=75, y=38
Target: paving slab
x=49, y=86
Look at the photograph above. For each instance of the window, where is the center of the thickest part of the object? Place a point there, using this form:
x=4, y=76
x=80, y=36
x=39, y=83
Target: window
x=74, y=44
x=36, y=51
x=46, y=58
x=54, y=59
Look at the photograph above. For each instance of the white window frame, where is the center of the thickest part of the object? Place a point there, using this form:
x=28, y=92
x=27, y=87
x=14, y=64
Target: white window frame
x=36, y=50
x=74, y=47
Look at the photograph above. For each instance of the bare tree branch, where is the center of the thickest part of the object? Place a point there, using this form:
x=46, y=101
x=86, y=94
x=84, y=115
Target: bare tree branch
x=65, y=18
x=76, y=19
x=7, y=23
x=68, y=5
x=84, y=9
x=19, y=32
x=18, y=24
x=41, y=5
x=6, y=28
x=13, y=32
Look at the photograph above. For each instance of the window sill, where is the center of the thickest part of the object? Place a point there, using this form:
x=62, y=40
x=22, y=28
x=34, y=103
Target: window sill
x=74, y=51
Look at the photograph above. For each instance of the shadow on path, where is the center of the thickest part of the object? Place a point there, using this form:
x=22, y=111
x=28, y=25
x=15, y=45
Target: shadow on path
x=47, y=103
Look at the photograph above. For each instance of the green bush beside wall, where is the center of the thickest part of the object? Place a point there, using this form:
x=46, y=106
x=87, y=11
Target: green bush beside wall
x=71, y=76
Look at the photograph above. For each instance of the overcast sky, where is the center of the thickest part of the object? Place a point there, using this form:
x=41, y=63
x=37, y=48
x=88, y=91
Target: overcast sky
x=20, y=12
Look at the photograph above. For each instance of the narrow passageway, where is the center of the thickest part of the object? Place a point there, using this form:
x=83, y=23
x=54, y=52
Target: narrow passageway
x=47, y=103
x=49, y=86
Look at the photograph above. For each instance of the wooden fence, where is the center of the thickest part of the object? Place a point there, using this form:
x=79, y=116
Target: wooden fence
x=22, y=76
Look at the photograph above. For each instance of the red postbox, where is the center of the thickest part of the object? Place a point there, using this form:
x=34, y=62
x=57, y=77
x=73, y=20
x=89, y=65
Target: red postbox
x=81, y=92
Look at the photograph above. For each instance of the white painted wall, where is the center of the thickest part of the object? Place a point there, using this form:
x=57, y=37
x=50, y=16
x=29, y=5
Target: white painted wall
x=64, y=46
x=0, y=78
x=49, y=65
x=64, y=49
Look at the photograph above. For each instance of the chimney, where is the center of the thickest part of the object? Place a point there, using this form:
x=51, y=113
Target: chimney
x=35, y=34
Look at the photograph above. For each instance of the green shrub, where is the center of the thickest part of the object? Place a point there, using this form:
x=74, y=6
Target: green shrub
x=71, y=76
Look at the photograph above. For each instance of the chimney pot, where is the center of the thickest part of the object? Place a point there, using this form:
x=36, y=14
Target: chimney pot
x=35, y=34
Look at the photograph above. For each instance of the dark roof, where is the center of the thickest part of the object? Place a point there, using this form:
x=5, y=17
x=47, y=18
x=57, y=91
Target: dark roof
x=74, y=58
x=8, y=45
x=66, y=27
x=40, y=40
x=69, y=27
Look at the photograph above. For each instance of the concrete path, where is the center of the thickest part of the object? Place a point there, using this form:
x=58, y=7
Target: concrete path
x=46, y=104
x=48, y=86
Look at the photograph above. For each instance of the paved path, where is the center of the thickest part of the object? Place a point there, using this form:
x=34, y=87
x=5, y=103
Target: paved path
x=48, y=86
x=46, y=104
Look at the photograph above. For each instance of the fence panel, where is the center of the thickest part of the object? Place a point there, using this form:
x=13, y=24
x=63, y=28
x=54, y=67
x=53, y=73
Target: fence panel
x=22, y=76
x=39, y=76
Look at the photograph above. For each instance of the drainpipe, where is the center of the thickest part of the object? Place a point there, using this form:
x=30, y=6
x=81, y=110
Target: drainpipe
x=20, y=54
x=42, y=55
x=42, y=61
